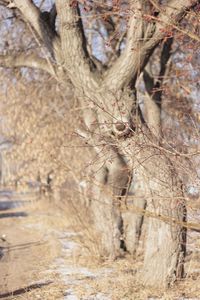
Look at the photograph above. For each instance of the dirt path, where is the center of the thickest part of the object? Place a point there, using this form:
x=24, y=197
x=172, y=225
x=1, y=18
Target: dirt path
x=39, y=253
x=41, y=257
x=27, y=246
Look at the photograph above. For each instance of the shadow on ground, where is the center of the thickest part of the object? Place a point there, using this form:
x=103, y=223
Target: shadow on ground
x=25, y=289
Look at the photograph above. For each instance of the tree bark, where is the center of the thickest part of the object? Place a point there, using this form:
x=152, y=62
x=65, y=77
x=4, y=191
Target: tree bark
x=134, y=212
x=166, y=237
x=109, y=179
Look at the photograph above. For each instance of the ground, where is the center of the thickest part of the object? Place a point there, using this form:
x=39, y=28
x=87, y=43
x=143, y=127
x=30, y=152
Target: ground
x=44, y=255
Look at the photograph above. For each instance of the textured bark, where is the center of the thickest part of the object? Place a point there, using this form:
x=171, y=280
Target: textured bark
x=166, y=238
x=110, y=178
x=165, y=251
x=106, y=213
x=132, y=224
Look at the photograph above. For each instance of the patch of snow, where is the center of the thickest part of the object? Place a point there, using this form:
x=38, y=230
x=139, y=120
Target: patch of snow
x=99, y=296
x=68, y=245
x=69, y=234
x=66, y=270
x=33, y=225
x=70, y=295
x=193, y=191
x=71, y=274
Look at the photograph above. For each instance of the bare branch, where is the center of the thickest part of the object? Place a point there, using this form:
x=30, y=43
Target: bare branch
x=137, y=53
x=23, y=60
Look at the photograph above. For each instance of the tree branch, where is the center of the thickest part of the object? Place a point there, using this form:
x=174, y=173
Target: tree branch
x=119, y=75
x=153, y=98
x=137, y=53
x=23, y=60
x=75, y=60
x=152, y=115
x=33, y=16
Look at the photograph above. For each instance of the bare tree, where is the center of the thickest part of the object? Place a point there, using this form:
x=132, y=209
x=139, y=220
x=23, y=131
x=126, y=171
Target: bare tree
x=126, y=136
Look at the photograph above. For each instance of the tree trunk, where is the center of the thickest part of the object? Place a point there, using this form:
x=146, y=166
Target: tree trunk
x=164, y=252
x=134, y=214
x=132, y=225
x=110, y=181
x=166, y=237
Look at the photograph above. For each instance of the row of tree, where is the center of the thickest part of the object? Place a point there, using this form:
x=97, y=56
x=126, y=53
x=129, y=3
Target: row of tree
x=126, y=62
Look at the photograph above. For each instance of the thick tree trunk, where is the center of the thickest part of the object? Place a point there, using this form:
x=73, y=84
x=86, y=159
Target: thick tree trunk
x=110, y=181
x=165, y=241
x=107, y=220
x=164, y=252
